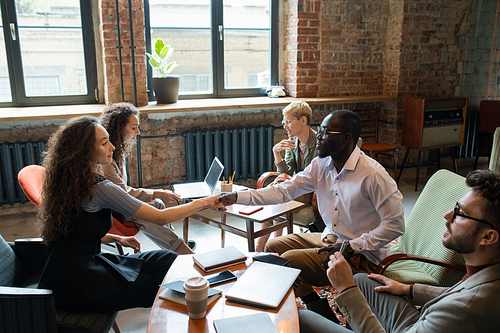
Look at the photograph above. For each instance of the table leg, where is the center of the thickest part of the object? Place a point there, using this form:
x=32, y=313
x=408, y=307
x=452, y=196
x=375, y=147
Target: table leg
x=185, y=224
x=222, y=231
x=289, y=217
x=250, y=236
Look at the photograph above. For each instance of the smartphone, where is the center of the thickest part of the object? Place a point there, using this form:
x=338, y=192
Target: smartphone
x=222, y=277
x=271, y=259
x=250, y=210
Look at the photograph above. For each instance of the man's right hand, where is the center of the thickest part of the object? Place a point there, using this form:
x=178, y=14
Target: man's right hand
x=339, y=272
x=228, y=199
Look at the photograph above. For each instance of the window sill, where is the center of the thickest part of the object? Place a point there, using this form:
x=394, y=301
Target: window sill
x=69, y=111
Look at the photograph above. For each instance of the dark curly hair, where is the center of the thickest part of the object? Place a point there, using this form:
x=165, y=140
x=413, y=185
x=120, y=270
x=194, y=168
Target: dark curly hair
x=487, y=184
x=70, y=176
x=114, y=118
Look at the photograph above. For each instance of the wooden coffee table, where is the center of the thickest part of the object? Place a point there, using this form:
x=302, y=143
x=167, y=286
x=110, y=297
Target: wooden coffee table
x=167, y=316
x=268, y=213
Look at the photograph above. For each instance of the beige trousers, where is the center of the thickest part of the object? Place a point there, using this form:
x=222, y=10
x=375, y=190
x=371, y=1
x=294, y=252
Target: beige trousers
x=301, y=250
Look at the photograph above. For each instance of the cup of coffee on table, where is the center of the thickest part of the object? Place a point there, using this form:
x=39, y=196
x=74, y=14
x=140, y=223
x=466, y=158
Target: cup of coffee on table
x=196, y=289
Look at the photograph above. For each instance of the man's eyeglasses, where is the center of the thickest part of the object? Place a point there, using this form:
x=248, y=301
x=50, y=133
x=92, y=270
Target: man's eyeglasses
x=456, y=212
x=323, y=133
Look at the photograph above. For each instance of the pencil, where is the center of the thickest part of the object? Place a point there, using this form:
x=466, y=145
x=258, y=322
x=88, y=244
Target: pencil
x=342, y=247
x=232, y=178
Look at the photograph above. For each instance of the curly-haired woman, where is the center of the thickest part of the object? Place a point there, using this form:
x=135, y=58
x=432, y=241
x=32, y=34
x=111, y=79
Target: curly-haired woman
x=121, y=120
x=75, y=217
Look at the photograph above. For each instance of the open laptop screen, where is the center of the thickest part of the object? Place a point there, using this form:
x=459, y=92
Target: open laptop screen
x=213, y=174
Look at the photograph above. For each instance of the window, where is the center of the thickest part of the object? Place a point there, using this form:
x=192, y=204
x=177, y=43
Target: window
x=46, y=53
x=224, y=48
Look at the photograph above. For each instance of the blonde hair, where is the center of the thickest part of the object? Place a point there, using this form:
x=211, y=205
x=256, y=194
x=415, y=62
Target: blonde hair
x=299, y=109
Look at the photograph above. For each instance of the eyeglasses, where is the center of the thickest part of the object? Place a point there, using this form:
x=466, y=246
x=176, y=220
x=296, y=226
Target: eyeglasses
x=288, y=121
x=323, y=133
x=456, y=212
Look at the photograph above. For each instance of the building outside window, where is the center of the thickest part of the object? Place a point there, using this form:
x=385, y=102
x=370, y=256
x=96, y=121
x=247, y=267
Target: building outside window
x=46, y=53
x=229, y=44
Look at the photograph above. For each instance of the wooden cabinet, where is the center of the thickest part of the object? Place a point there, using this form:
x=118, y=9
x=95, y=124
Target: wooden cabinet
x=432, y=123
x=435, y=123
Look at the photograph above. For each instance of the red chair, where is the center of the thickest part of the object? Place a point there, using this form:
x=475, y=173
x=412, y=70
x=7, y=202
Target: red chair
x=30, y=179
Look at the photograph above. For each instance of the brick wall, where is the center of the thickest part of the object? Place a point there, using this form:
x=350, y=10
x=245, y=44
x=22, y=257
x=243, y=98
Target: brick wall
x=479, y=66
x=109, y=37
x=163, y=158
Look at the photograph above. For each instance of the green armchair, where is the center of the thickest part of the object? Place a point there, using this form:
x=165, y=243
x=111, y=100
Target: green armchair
x=419, y=255
x=23, y=308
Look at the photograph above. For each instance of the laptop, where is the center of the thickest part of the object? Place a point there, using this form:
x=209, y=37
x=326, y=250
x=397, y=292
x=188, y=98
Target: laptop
x=263, y=285
x=201, y=189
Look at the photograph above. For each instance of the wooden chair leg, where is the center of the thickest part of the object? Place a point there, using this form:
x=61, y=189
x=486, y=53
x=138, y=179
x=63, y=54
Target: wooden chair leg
x=115, y=327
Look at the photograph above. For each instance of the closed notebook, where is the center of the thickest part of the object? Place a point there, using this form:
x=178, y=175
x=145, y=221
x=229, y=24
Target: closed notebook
x=258, y=322
x=175, y=292
x=263, y=285
x=220, y=258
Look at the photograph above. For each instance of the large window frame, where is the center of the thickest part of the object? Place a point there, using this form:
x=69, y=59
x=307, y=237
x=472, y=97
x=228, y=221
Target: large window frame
x=15, y=66
x=217, y=48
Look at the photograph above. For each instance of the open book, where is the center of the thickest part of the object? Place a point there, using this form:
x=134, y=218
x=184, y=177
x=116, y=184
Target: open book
x=175, y=293
x=219, y=258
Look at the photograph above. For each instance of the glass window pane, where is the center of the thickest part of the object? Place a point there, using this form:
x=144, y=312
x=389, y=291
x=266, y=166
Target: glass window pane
x=246, y=43
x=50, y=35
x=5, y=94
x=185, y=25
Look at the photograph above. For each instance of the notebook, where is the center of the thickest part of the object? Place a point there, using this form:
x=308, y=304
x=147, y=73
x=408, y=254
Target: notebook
x=263, y=285
x=219, y=258
x=201, y=189
x=175, y=293
x=258, y=322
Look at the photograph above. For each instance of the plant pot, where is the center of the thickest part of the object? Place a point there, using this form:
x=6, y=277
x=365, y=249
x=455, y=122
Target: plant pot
x=166, y=89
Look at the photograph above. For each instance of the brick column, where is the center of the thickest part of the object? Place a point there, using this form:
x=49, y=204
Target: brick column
x=109, y=31
x=302, y=47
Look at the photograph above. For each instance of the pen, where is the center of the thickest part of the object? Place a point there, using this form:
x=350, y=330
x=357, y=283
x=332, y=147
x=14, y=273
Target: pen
x=232, y=178
x=342, y=247
x=172, y=189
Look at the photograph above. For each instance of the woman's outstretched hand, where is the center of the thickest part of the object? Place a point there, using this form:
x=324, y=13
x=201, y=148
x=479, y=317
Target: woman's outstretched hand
x=214, y=202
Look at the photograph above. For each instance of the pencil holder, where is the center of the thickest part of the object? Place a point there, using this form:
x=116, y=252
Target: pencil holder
x=226, y=187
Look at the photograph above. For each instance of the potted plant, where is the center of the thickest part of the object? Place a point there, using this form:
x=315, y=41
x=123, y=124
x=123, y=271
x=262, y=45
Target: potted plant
x=166, y=87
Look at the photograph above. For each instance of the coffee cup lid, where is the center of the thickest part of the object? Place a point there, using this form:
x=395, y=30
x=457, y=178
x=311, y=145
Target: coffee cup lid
x=197, y=282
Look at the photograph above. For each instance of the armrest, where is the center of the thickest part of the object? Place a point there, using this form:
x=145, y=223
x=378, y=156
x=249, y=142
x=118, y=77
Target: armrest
x=32, y=253
x=26, y=309
x=16, y=292
x=382, y=266
x=262, y=179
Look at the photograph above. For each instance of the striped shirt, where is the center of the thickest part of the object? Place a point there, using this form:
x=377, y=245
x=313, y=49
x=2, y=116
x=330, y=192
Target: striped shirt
x=111, y=196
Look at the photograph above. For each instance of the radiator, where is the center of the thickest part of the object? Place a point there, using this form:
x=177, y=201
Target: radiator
x=14, y=157
x=245, y=151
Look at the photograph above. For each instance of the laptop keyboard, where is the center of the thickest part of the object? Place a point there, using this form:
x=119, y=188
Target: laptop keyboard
x=197, y=190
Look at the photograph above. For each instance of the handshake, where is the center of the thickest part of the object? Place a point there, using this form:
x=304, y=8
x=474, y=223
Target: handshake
x=228, y=199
